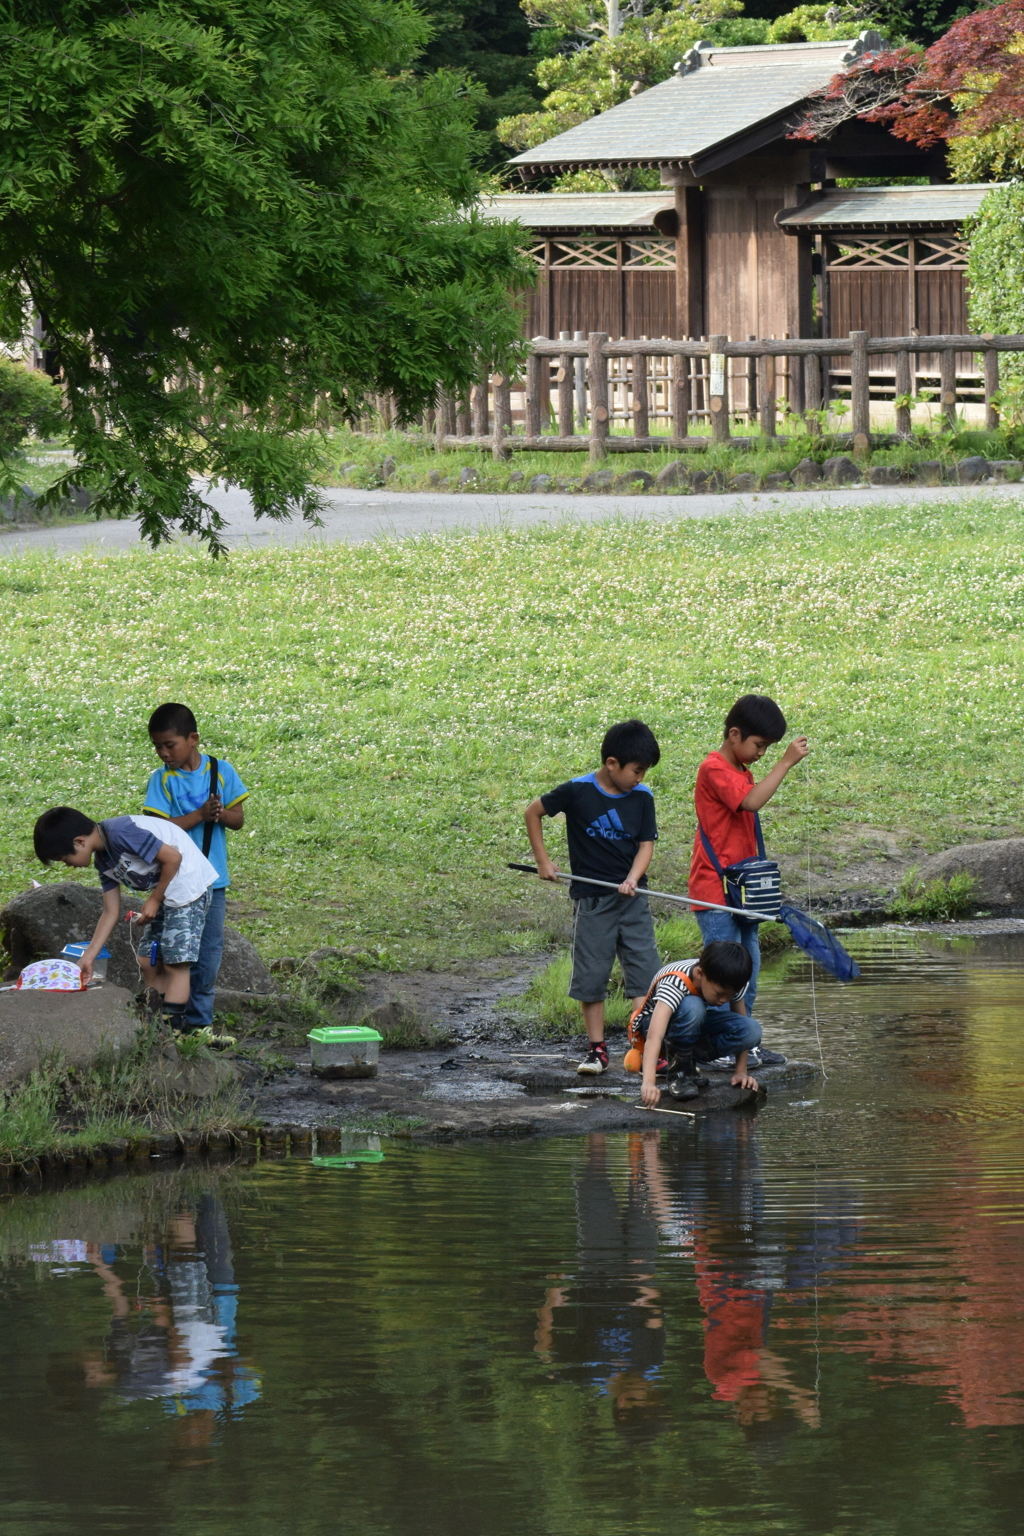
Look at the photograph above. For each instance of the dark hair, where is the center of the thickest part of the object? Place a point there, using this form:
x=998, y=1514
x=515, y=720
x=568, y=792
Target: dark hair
x=54, y=834
x=173, y=717
x=630, y=742
x=727, y=964
x=756, y=715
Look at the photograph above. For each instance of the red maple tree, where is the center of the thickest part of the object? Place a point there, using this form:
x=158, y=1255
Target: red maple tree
x=975, y=62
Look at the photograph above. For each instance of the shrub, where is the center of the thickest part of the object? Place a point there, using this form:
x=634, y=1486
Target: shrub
x=29, y=403
x=938, y=901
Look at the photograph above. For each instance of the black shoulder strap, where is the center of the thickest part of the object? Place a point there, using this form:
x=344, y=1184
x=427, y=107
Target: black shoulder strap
x=209, y=825
x=714, y=857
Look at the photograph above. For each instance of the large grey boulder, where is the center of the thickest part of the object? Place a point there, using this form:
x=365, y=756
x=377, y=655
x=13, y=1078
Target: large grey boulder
x=998, y=867
x=78, y=1027
x=38, y=923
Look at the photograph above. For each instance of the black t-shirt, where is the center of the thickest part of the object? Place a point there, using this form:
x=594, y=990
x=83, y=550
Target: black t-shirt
x=604, y=831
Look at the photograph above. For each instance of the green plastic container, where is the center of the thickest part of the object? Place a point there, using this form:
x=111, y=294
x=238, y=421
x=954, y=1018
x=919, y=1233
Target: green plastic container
x=344, y=1050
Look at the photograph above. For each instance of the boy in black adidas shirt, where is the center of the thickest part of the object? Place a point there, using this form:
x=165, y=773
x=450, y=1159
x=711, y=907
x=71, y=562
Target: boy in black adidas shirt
x=611, y=832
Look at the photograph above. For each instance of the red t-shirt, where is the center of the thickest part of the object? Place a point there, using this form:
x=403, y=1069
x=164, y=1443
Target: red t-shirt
x=717, y=796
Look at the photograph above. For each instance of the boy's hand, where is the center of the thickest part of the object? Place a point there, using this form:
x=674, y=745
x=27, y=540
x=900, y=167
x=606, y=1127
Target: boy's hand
x=210, y=809
x=744, y=1080
x=628, y=887
x=796, y=751
x=650, y=1094
x=85, y=966
x=546, y=870
x=150, y=907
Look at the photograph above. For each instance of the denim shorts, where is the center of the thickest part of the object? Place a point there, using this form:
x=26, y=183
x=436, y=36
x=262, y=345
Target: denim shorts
x=176, y=933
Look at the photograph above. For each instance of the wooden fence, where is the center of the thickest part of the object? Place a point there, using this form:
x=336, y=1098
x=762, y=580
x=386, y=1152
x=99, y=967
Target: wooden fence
x=590, y=382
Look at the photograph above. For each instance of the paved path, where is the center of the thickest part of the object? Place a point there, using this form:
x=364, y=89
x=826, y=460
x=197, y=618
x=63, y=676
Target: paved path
x=356, y=516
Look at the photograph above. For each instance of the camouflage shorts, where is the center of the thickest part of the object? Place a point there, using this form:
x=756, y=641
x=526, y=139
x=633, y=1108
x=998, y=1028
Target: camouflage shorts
x=175, y=933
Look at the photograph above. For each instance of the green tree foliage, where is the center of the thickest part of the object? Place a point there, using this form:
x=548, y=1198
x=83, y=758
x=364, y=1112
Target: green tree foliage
x=995, y=280
x=30, y=403
x=608, y=54
x=236, y=217
x=492, y=41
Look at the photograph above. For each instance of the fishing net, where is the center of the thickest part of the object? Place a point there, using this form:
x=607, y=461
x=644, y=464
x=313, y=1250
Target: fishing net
x=819, y=942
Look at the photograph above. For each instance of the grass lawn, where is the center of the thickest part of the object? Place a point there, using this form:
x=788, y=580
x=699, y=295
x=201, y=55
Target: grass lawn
x=393, y=706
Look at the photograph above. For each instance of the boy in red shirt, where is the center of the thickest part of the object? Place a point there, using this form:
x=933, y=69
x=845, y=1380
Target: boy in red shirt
x=726, y=797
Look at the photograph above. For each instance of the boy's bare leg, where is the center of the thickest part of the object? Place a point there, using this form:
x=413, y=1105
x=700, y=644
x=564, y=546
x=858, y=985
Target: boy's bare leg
x=593, y=1021
x=154, y=977
x=178, y=978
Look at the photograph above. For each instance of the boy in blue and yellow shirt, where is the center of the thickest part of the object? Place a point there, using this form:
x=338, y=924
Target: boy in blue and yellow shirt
x=181, y=792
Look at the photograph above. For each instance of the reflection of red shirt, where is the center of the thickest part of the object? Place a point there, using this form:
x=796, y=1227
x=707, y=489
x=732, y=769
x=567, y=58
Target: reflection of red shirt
x=733, y=1338
x=717, y=796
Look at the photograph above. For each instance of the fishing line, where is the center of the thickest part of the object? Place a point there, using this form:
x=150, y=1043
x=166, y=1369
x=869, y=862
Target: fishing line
x=814, y=995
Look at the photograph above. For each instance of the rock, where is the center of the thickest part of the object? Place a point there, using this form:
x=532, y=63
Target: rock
x=38, y=923
x=998, y=867
x=743, y=482
x=885, y=474
x=806, y=473
x=779, y=481
x=468, y=476
x=539, y=483
x=1004, y=471
x=673, y=475
x=515, y=478
x=566, y=487
x=346, y=469
x=928, y=472
x=77, y=1026
x=191, y=1077
x=707, y=481
x=971, y=471
x=841, y=471
x=601, y=480
x=633, y=480
x=284, y=965
x=388, y=468
x=435, y=478
x=20, y=505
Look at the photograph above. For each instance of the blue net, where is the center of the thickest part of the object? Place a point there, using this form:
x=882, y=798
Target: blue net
x=819, y=942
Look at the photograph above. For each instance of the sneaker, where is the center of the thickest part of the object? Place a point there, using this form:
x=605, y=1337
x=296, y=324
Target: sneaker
x=761, y=1056
x=662, y=1066
x=684, y=1081
x=595, y=1062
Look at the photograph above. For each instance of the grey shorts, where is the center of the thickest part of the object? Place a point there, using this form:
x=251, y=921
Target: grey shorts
x=606, y=926
x=176, y=933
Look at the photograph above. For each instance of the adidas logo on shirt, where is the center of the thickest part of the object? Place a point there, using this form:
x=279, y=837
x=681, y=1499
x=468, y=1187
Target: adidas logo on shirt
x=608, y=826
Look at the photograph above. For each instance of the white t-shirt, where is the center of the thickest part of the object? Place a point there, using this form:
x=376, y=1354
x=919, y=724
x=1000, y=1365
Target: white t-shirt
x=130, y=859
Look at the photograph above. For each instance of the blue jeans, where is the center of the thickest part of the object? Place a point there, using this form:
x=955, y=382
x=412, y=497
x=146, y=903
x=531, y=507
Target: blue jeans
x=713, y=1031
x=720, y=927
x=199, y=1008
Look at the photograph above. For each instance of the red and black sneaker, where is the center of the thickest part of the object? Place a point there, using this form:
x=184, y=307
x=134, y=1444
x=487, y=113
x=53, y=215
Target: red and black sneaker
x=596, y=1060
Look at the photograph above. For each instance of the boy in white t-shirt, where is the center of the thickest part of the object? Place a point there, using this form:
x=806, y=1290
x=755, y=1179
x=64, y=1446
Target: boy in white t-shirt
x=143, y=853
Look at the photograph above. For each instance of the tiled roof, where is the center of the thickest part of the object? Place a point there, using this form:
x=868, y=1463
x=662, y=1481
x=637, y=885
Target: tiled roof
x=884, y=207
x=579, y=210
x=728, y=94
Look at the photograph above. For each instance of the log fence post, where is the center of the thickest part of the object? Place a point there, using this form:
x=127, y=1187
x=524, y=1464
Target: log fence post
x=478, y=408
x=752, y=396
x=860, y=391
x=766, y=394
x=462, y=417
x=440, y=420
x=680, y=405
x=990, y=363
x=533, y=396
x=947, y=385
x=597, y=375
x=904, y=388
x=502, y=415
x=718, y=388
x=812, y=392
x=641, y=415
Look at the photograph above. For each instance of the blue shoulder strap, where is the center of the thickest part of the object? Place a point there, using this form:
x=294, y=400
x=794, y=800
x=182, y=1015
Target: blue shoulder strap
x=714, y=857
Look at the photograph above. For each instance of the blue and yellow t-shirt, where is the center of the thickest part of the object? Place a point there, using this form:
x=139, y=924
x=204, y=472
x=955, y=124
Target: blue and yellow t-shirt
x=174, y=792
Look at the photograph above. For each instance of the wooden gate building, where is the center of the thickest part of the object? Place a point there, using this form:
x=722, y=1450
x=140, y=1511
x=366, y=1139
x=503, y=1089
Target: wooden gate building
x=743, y=237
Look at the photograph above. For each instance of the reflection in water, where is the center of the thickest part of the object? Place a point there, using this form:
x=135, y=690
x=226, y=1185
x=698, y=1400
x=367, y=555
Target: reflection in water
x=172, y=1318
x=806, y=1322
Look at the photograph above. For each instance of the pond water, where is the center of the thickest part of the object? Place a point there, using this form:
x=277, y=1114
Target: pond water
x=808, y=1320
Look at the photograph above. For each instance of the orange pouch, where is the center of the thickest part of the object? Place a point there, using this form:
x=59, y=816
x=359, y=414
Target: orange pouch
x=636, y=1039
